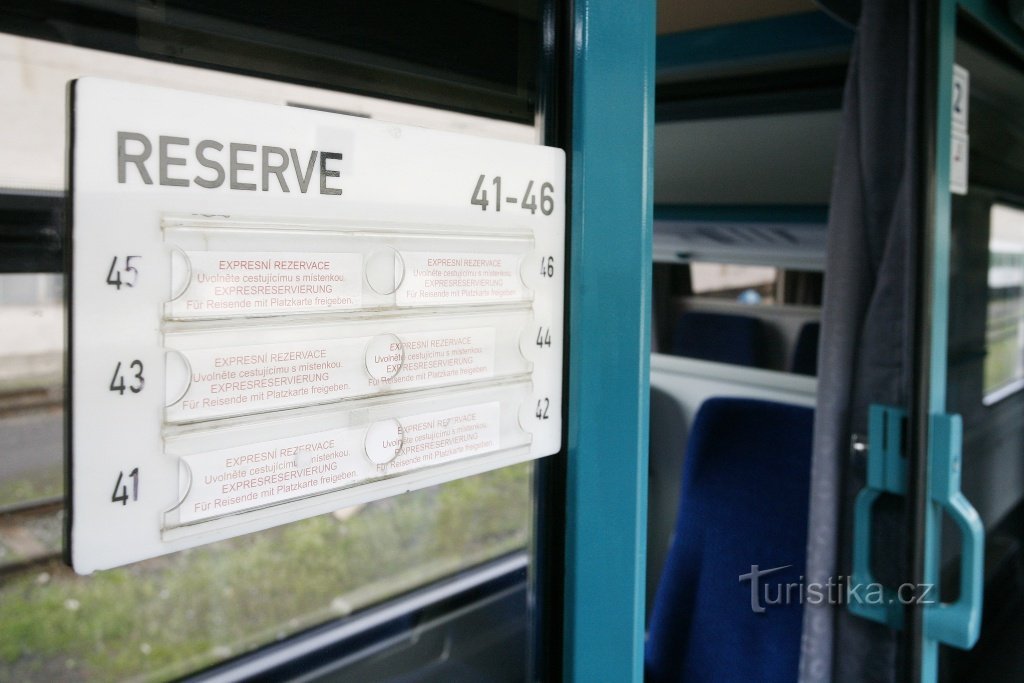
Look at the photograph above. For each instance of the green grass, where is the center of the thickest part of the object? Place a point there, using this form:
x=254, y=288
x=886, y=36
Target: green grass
x=165, y=617
x=44, y=482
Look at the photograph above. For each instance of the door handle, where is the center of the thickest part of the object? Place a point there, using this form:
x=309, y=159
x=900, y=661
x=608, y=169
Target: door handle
x=956, y=623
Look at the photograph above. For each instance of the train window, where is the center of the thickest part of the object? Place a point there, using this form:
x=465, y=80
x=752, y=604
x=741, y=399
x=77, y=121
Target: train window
x=176, y=614
x=751, y=284
x=1004, y=329
x=711, y=311
x=31, y=349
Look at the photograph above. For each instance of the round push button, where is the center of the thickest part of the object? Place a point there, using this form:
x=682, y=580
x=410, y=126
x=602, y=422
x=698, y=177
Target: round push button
x=385, y=270
x=384, y=357
x=383, y=441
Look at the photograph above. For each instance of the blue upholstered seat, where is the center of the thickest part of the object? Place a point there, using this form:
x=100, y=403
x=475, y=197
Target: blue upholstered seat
x=721, y=337
x=805, y=352
x=744, y=502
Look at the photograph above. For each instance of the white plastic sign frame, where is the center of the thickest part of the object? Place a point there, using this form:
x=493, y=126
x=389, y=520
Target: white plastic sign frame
x=307, y=264
x=960, y=139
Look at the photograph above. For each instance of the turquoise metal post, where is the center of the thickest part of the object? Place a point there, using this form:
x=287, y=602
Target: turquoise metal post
x=941, y=241
x=610, y=330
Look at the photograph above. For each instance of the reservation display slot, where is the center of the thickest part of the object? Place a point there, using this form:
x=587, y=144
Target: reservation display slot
x=215, y=372
x=230, y=472
x=227, y=271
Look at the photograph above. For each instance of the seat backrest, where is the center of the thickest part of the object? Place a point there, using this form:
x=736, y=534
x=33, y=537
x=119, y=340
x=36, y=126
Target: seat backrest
x=805, y=351
x=721, y=337
x=744, y=501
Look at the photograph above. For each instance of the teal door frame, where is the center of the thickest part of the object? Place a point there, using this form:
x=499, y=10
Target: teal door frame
x=609, y=328
x=939, y=41
x=958, y=624
x=609, y=285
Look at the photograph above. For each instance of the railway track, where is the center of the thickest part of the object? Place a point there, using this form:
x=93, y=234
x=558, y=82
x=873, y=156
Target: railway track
x=30, y=534
x=21, y=401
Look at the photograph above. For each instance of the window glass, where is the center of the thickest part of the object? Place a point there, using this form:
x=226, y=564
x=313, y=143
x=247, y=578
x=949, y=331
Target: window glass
x=1004, y=330
x=165, y=617
x=31, y=363
x=752, y=284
